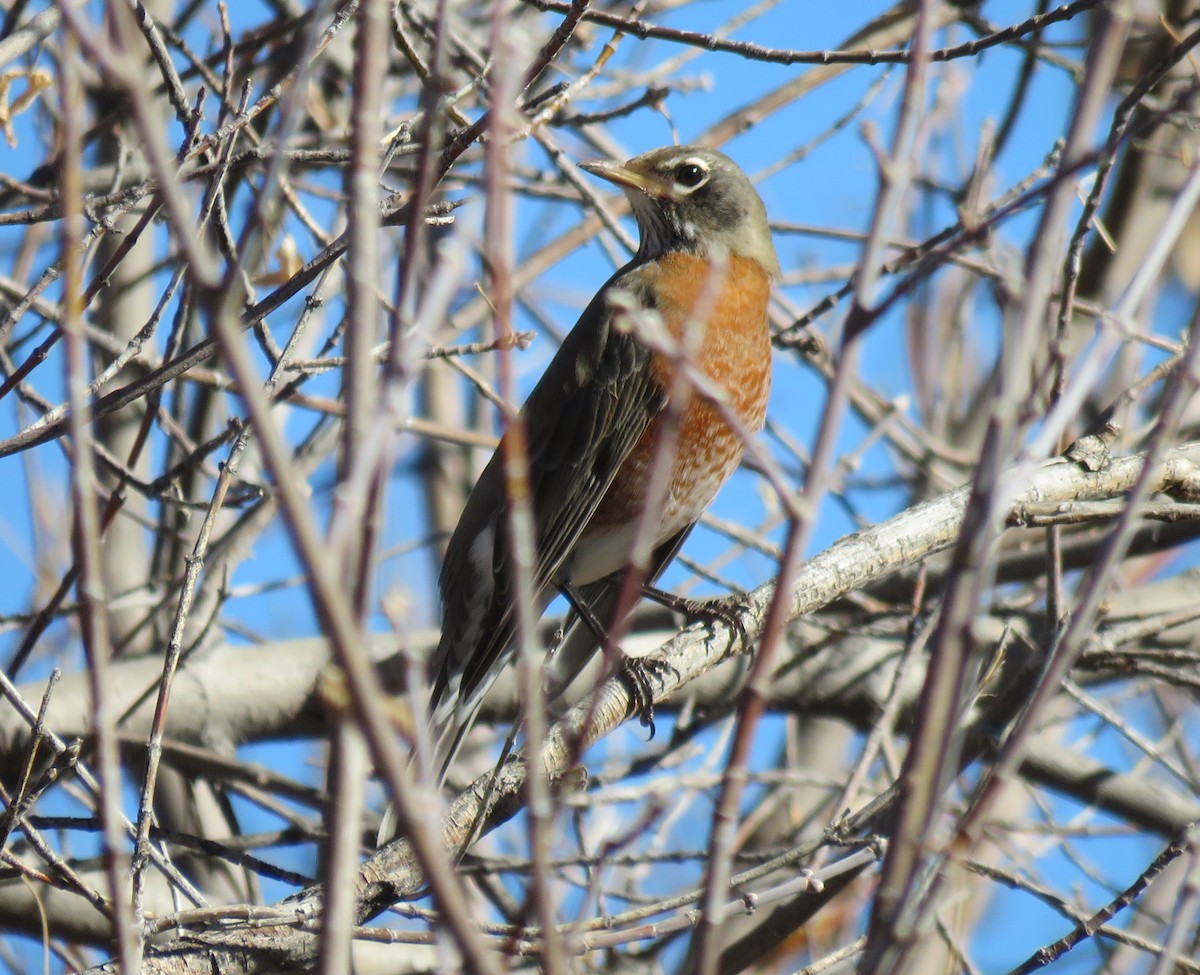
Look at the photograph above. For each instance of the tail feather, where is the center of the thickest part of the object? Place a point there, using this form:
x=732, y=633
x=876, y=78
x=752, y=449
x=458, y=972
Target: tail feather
x=452, y=722
x=450, y=728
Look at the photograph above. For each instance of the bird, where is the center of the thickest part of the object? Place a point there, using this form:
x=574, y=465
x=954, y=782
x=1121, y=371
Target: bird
x=606, y=403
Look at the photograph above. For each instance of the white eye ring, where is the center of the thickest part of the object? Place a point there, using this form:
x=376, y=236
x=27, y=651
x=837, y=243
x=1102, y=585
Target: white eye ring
x=691, y=174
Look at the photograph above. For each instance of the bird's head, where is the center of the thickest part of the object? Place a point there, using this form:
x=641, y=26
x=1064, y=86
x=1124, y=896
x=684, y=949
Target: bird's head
x=694, y=200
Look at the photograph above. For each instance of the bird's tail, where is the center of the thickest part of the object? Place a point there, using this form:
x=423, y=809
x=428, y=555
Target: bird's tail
x=452, y=720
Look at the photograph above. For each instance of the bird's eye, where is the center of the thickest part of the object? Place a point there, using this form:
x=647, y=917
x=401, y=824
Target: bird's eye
x=690, y=174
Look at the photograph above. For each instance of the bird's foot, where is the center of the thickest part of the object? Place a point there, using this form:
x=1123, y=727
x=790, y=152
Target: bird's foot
x=721, y=609
x=640, y=674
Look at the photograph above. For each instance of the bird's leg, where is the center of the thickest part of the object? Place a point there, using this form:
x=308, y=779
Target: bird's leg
x=635, y=672
x=722, y=609
x=590, y=620
x=575, y=598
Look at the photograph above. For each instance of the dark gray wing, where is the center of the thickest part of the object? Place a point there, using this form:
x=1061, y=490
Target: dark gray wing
x=586, y=413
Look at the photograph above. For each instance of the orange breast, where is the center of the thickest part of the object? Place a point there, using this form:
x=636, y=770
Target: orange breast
x=734, y=351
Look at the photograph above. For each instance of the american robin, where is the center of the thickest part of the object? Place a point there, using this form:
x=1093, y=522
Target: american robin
x=597, y=417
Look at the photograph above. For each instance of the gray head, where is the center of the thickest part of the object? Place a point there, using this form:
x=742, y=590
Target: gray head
x=694, y=200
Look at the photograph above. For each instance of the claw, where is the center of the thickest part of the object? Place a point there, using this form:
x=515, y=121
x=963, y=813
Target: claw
x=721, y=609
x=637, y=673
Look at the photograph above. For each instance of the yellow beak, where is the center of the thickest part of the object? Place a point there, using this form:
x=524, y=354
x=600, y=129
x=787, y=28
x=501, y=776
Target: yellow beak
x=626, y=178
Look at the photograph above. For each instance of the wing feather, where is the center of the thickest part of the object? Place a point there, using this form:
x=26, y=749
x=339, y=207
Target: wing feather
x=582, y=419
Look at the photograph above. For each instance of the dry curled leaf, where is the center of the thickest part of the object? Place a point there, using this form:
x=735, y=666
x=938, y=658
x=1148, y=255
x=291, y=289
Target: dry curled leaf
x=36, y=81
